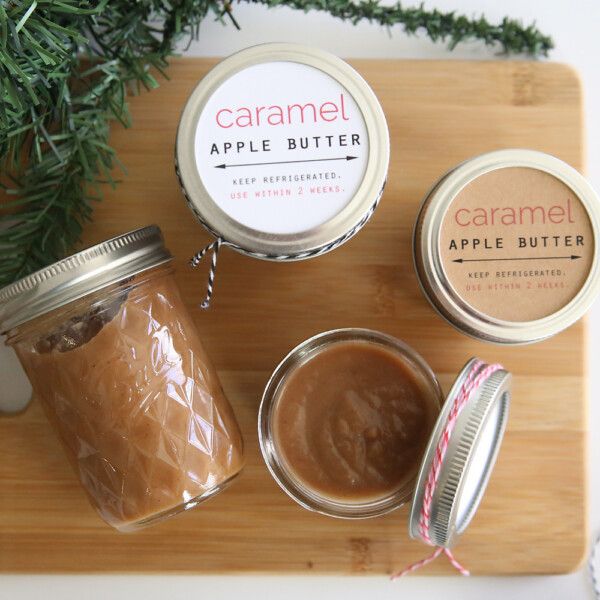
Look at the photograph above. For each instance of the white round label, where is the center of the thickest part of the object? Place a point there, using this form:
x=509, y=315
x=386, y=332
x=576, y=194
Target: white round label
x=281, y=147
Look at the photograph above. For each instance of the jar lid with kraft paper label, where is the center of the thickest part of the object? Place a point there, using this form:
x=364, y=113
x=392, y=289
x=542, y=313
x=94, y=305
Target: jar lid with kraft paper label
x=505, y=246
x=282, y=151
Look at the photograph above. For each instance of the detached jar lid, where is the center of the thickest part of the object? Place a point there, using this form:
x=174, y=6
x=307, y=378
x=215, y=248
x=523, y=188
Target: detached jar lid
x=282, y=151
x=81, y=274
x=505, y=246
x=461, y=454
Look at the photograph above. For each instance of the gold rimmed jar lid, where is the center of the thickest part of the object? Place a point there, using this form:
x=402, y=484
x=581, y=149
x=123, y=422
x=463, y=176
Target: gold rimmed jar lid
x=505, y=246
x=282, y=151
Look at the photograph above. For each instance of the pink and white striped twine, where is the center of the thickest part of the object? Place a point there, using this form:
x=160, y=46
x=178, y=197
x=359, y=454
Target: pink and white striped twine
x=473, y=380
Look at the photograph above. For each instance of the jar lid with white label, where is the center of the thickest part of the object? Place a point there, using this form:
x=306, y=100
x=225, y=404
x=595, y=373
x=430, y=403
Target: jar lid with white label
x=505, y=246
x=282, y=151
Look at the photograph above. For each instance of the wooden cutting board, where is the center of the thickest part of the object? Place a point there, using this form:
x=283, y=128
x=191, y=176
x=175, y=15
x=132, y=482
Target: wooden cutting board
x=533, y=517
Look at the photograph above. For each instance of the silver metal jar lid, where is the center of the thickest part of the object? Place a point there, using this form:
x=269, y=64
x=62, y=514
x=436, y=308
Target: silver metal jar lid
x=441, y=512
x=81, y=274
x=429, y=263
x=270, y=244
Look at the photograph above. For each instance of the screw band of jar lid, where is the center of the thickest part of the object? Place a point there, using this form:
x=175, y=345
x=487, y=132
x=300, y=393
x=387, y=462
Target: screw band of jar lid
x=477, y=375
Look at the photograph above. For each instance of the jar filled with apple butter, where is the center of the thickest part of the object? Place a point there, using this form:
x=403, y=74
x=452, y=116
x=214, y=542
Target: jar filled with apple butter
x=345, y=420
x=117, y=363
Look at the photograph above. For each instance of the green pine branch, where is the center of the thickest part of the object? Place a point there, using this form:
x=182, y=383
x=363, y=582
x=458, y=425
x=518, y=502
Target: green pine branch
x=66, y=67
x=509, y=35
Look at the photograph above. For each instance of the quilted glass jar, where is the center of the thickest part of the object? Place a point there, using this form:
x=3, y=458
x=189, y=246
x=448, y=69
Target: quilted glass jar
x=122, y=375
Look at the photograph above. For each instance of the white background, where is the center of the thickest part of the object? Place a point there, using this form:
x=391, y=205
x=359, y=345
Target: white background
x=575, y=26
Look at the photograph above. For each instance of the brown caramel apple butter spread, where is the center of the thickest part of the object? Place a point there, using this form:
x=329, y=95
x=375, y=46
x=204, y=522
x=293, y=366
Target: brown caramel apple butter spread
x=352, y=422
x=137, y=404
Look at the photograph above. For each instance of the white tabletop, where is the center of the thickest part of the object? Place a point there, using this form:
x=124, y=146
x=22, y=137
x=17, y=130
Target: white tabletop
x=574, y=26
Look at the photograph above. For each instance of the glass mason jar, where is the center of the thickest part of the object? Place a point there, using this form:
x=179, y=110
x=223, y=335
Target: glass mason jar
x=377, y=418
x=116, y=361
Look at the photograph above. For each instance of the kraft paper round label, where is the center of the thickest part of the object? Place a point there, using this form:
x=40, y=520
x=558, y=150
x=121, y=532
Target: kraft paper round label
x=281, y=147
x=516, y=244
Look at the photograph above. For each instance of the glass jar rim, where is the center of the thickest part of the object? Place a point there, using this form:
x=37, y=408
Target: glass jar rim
x=292, y=486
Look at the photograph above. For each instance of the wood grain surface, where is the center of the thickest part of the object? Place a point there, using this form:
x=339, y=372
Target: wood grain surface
x=533, y=517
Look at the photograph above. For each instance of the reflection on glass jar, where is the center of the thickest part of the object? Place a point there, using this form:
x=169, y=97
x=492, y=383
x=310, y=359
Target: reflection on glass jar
x=124, y=379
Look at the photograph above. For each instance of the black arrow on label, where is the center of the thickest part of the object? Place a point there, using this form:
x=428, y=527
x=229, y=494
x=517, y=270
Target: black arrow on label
x=465, y=260
x=283, y=162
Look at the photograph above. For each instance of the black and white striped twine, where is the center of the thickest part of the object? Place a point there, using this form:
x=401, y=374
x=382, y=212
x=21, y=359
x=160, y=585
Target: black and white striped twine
x=195, y=261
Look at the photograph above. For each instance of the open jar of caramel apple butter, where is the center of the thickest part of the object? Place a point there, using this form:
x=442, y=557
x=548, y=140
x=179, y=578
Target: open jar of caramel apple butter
x=353, y=424
x=120, y=370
